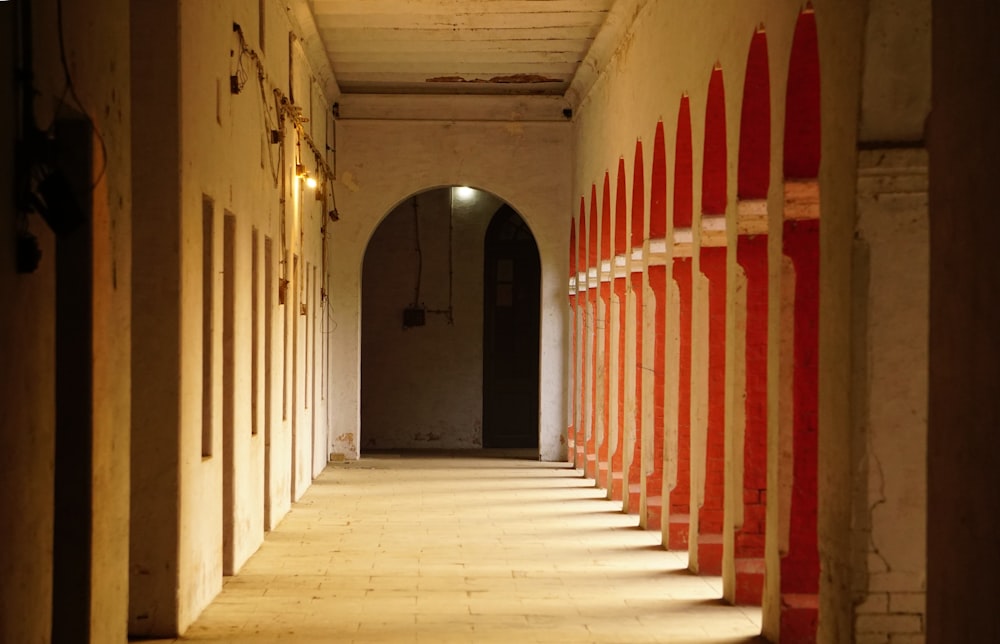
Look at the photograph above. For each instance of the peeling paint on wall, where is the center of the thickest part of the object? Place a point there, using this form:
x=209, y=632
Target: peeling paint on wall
x=505, y=79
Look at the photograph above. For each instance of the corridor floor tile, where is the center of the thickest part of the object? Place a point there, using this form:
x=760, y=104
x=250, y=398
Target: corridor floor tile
x=445, y=549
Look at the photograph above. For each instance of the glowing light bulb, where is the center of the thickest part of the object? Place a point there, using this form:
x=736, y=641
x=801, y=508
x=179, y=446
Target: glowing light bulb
x=465, y=193
x=310, y=182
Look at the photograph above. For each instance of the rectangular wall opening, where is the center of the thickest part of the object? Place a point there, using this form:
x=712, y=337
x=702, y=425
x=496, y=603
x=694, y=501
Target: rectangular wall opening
x=73, y=485
x=228, y=392
x=283, y=295
x=268, y=381
x=307, y=354
x=294, y=350
x=254, y=333
x=207, y=300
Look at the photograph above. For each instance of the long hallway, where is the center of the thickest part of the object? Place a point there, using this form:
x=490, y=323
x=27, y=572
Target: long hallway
x=466, y=549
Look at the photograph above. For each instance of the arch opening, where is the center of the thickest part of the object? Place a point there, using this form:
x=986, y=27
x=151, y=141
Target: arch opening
x=423, y=324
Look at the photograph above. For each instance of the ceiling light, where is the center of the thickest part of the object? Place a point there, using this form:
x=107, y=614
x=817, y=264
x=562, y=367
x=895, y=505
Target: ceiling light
x=465, y=193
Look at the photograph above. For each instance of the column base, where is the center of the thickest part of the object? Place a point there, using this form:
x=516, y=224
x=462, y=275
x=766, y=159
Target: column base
x=749, y=581
x=710, y=554
x=634, y=493
x=654, y=512
x=678, y=532
x=602, y=474
x=616, y=486
x=799, y=617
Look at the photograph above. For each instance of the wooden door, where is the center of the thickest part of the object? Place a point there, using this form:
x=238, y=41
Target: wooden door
x=512, y=275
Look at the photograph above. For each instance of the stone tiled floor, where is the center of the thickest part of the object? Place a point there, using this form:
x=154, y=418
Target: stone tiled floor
x=447, y=549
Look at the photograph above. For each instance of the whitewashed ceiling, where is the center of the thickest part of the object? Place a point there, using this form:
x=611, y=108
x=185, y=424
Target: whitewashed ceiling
x=457, y=47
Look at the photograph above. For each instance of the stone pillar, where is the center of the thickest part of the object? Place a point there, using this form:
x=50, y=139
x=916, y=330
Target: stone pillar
x=634, y=337
x=657, y=259
x=677, y=473
x=572, y=361
x=618, y=323
x=604, y=338
x=751, y=488
x=582, y=330
x=710, y=514
x=594, y=346
x=800, y=562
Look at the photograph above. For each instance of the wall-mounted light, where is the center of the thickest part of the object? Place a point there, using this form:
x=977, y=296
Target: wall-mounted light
x=303, y=174
x=465, y=193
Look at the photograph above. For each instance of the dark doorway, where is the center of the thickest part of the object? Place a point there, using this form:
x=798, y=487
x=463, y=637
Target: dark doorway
x=511, y=297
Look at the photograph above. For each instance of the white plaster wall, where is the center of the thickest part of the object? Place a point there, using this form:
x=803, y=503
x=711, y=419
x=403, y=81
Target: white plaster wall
x=381, y=163
x=423, y=386
x=225, y=156
x=221, y=150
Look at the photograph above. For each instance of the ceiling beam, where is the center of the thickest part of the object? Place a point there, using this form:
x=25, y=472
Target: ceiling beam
x=430, y=7
x=452, y=108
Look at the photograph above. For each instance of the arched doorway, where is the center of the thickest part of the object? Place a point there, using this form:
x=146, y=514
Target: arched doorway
x=511, y=313
x=427, y=379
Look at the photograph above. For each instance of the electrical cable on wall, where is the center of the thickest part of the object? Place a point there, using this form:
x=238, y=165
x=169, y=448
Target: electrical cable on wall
x=44, y=171
x=274, y=135
x=418, y=309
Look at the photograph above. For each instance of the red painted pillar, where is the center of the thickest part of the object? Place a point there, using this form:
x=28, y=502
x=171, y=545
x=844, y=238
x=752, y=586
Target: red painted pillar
x=571, y=426
x=593, y=268
x=637, y=279
x=800, y=566
x=617, y=475
x=710, y=515
x=602, y=450
x=654, y=478
x=635, y=466
x=606, y=275
x=713, y=267
x=751, y=254
x=658, y=286
x=620, y=290
x=680, y=495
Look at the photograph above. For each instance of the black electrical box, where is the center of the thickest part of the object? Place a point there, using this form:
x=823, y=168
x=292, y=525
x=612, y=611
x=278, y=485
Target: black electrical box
x=414, y=317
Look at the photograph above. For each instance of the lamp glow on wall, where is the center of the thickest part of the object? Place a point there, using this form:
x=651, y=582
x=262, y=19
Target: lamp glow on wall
x=303, y=174
x=464, y=193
